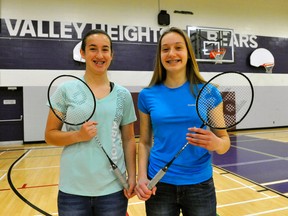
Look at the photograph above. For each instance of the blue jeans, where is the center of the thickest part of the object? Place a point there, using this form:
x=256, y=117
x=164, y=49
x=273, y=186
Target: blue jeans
x=192, y=200
x=109, y=205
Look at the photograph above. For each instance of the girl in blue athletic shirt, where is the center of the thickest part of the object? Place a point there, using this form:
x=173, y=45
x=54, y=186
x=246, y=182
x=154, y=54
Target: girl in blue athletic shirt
x=168, y=119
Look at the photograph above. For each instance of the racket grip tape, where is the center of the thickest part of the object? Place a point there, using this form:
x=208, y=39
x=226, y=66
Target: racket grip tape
x=156, y=179
x=121, y=178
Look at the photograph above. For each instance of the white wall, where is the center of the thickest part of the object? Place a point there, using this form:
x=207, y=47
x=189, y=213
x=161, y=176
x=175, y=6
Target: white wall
x=266, y=18
x=257, y=17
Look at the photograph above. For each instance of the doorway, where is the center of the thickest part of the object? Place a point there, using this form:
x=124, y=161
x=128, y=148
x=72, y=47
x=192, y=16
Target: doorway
x=11, y=115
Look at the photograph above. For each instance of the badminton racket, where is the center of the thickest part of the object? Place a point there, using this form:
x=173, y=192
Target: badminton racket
x=77, y=99
x=222, y=103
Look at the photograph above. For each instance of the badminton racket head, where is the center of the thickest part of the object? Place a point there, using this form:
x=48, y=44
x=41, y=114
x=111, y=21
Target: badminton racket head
x=225, y=100
x=71, y=99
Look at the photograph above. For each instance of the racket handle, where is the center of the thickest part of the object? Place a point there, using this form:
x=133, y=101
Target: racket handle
x=116, y=170
x=121, y=178
x=156, y=179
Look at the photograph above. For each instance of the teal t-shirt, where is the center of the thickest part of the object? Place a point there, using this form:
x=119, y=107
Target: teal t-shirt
x=84, y=168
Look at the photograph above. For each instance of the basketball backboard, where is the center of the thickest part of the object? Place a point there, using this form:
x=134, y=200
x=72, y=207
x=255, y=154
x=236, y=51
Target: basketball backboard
x=206, y=39
x=262, y=57
x=76, y=53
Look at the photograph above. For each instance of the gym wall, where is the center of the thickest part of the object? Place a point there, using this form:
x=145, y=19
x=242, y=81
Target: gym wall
x=37, y=40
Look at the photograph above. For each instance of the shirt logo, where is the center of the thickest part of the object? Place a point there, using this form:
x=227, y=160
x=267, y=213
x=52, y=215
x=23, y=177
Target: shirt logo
x=190, y=105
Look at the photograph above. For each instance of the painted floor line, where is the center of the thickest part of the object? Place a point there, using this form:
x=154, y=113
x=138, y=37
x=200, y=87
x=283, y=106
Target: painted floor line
x=270, y=211
x=3, y=176
x=232, y=189
x=136, y=203
x=258, y=152
x=24, y=186
x=251, y=187
x=275, y=182
x=266, y=132
x=247, y=201
x=35, y=168
x=250, y=162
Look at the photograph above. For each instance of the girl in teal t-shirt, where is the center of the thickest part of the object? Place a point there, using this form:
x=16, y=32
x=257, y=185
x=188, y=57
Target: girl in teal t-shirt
x=87, y=184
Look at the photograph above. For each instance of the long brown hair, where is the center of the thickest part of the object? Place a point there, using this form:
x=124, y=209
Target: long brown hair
x=192, y=70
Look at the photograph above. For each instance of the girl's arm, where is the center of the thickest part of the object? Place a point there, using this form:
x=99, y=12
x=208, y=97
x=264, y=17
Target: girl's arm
x=129, y=146
x=55, y=136
x=144, y=147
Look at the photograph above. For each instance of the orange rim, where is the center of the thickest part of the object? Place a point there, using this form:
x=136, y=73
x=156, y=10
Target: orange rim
x=215, y=52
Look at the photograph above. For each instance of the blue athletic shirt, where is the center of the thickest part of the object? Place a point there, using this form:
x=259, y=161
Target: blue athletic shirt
x=84, y=168
x=172, y=112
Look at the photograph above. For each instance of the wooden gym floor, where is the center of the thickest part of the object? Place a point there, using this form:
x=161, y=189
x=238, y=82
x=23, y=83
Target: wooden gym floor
x=251, y=179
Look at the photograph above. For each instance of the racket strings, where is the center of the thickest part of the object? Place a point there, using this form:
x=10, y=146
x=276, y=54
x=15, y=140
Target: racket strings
x=215, y=117
x=225, y=101
x=237, y=100
x=71, y=100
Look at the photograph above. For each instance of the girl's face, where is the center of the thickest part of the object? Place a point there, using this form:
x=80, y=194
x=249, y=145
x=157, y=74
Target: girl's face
x=174, y=53
x=98, y=54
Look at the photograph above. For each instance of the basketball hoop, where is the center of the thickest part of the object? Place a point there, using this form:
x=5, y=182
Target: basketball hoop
x=268, y=67
x=262, y=57
x=218, y=55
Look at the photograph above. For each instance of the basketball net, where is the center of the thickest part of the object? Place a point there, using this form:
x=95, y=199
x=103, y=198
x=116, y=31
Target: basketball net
x=218, y=55
x=268, y=67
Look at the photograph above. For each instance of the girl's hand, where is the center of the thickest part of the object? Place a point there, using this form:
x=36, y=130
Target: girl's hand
x=130, y=192
x=88, y=130
x=142, y=190
x=203, y=138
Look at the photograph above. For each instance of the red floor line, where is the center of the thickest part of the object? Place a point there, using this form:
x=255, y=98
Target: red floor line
x=38, y=186
x=24, y=186
x=6, y=189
